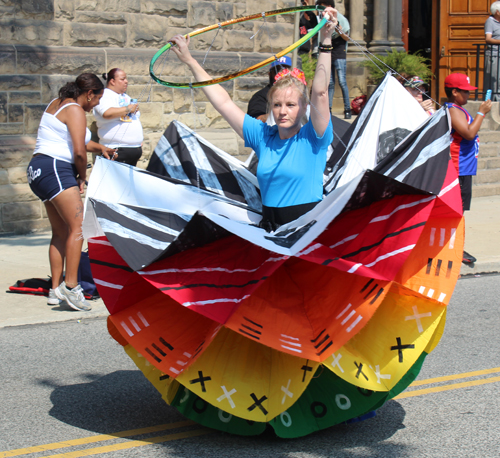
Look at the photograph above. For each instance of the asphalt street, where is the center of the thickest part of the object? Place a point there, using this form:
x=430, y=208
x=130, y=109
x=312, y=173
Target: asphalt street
x=68, y=390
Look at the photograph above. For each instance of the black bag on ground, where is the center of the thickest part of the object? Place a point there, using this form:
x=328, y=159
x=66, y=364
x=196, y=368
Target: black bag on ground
x=34, y=286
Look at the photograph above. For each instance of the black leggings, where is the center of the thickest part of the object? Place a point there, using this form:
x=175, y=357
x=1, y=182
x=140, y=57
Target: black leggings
x=129, y=156
x=274, y=217
x=465, y=190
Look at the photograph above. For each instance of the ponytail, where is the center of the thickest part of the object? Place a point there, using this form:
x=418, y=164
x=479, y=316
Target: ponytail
x=111, y=75
x=83, y=83
x=69, y=91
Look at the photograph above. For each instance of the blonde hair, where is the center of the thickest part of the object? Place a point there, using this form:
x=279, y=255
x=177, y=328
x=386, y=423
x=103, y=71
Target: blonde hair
x=287, y=82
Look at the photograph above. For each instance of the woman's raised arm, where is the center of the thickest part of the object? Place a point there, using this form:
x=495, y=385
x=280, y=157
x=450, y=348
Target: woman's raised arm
x=320, y=105
x=216, y=94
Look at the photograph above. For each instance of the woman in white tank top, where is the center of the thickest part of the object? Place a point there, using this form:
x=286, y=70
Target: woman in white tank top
x=57, y=174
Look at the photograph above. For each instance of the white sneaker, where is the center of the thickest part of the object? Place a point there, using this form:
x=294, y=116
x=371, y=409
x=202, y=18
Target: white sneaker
x=53, y=299
x=74, y=297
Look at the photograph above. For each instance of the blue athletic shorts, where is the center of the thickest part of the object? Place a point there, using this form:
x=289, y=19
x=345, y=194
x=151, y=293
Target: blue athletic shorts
x=48, y=177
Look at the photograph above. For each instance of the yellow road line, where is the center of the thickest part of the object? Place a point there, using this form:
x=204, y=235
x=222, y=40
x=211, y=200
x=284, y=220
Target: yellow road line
x=92, y=439
x=132, y=444
x=455, y=376
x=455, y=386
x=199, y=432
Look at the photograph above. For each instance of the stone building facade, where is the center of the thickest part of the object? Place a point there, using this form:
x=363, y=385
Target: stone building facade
x=45, y=43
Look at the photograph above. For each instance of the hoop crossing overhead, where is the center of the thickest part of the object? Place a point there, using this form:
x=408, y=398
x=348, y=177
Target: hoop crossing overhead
x=253, y=68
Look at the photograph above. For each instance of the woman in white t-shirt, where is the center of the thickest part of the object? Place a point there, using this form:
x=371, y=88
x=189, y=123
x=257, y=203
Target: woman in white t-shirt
x=117, y=117
x=57, y=174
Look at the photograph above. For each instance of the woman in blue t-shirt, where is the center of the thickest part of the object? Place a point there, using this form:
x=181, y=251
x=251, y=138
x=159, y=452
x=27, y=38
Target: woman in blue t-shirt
x=292, y=156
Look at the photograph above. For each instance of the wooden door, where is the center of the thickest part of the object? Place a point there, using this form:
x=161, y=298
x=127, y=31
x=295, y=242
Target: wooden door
x=459, y=25
x=404, y=25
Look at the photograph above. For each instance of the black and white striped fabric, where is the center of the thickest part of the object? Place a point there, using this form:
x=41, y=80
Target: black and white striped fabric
x=388, y=117
x=138, y=233
x=420, y=159
x=147, y=217
x=184, y=155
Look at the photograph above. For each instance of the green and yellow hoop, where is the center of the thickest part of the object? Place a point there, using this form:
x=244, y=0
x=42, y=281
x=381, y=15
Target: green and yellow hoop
x=253, y=68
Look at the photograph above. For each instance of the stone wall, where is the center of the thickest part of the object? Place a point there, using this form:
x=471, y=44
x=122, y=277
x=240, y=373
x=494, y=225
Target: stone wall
x=24, y=96
x=127, y=23
x=45, y=43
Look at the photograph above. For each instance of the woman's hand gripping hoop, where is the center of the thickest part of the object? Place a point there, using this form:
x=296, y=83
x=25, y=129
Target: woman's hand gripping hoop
x=249, y=69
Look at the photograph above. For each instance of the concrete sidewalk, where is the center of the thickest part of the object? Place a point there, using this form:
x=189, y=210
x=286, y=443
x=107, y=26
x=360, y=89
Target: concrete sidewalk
x=26, y=256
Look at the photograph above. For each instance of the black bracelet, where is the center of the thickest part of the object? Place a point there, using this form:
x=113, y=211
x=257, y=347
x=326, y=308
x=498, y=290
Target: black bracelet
x=323, y=48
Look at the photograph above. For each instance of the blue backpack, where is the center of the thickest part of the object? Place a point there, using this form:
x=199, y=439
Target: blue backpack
x=85, y=277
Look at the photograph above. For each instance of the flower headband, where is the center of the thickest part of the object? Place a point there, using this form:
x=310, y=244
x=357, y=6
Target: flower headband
x=414, y=82
x=295, y=73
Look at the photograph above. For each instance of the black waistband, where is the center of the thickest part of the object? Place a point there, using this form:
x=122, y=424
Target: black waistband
x=274, y=217
x=132, y=148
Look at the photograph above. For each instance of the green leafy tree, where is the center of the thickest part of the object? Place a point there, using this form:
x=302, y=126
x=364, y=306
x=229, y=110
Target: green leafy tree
x=308, y=67
x=406, y=65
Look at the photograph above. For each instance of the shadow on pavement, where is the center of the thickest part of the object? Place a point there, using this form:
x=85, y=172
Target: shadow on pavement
x=125, y=400
x=120, y=401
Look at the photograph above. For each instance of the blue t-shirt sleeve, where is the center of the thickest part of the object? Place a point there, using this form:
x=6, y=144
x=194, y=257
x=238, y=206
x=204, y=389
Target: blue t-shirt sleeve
x=253, y=133
x=317, y=141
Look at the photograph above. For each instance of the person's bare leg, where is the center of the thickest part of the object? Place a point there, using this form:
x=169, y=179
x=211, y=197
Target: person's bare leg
x=57, y=247
x=69, y=205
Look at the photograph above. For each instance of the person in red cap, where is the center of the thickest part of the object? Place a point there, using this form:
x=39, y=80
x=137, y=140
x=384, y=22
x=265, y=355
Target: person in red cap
x=464, y=139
